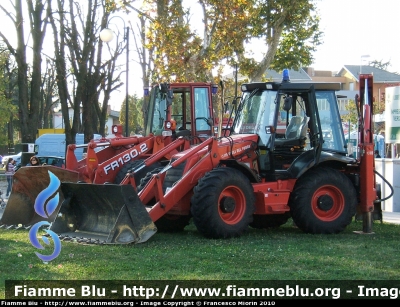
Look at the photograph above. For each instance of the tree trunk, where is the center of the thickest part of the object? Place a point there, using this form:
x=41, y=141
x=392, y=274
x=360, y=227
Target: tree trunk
x=61, y=71
x=20, y=57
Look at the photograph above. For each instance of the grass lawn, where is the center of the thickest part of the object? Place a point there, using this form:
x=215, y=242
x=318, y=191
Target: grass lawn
x=284, y=253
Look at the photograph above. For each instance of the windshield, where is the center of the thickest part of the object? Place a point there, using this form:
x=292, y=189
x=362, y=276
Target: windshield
x=157, y=115
x=257, y=114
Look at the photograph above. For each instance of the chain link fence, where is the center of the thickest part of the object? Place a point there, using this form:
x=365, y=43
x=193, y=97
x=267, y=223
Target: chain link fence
x=3, y=190
x=3, y=183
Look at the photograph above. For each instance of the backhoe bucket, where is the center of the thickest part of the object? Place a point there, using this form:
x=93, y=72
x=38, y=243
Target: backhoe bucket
x=107, y=213
x=28, y=182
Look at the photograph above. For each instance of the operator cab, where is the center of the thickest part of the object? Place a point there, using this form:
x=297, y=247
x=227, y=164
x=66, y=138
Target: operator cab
x=290, y=120
x=181, y=109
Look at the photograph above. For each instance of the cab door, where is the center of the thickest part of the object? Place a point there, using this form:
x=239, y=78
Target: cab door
x=202, y=120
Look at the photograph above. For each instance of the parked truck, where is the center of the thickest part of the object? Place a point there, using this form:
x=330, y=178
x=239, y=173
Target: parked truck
x=54, y=144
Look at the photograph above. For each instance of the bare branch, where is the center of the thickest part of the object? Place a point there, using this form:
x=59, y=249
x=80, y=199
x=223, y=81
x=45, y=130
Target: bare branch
x=9, y=46
x=140, y=12
x=7, y=12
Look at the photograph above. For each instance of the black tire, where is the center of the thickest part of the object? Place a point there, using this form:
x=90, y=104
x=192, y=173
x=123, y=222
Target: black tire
x=173, y=175
x=125, y=169
x=269, y=220
x=172, y=223
x=143, y=181
x=222, y=205
x=323, y=201
x=168, y=222
x=139, y=175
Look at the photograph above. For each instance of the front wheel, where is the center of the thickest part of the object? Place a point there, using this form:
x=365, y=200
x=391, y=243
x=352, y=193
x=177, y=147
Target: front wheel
x=323, y=201
x=222, y=203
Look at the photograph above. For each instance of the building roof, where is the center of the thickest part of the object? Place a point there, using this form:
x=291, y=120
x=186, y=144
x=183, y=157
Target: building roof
x=380, y=75
x=301, y=75
x=276, y=76
x=295, y=75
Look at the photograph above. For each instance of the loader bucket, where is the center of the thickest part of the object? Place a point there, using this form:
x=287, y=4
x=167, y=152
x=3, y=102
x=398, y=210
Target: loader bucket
x=28, y=182
x=108, y=213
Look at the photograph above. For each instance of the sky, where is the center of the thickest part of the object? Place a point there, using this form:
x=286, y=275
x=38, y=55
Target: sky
x=352, y=29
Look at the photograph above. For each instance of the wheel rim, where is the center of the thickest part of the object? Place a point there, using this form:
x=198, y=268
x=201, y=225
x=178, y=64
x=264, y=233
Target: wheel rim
x=328, y=203
x=231, y=205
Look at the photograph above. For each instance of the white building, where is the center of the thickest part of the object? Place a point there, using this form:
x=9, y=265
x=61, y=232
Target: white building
x=112, y=119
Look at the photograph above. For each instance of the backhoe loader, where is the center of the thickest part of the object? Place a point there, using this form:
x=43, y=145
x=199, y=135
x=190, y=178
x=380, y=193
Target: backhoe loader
x=257, y=176
x=174, y=111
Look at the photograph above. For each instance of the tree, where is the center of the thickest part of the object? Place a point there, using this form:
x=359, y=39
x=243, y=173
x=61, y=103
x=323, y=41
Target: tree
x=59, y=27
x=76, y=39
x=77, y=70
x=289, y=30
x=191, y=55
x=380, y=64
x=136, y=118
x=352, y=113
x=49, y=96
x=8, y=105
x=29, y=89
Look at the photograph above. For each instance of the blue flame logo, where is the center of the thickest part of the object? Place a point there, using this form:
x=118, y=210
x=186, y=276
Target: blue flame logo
x=45, y=211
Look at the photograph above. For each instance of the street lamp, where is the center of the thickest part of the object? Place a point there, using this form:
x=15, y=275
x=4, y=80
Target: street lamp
x=106, y=35
x=365, y=56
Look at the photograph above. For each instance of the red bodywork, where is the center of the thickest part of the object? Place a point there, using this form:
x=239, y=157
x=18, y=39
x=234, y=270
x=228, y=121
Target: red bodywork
x=366, y=145
x=103, y=166
x=271, y=197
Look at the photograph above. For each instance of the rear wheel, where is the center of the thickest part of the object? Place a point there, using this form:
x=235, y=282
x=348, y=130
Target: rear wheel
x=323, y=201
x=223, y=203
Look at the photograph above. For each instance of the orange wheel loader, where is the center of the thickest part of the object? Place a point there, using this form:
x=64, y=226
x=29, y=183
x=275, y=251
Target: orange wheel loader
x=174, y=111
